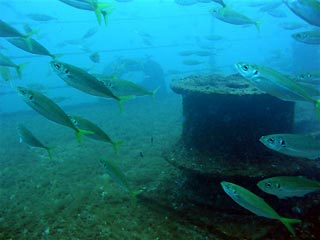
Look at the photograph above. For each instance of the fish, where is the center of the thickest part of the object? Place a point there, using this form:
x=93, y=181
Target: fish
x=256, y=204
x=191, y=62
x=8, y=31
x=49, y=109
x=229, y=16
x=95, y=57
x=186, y=53
x=308, y=10
x=5, y=73
x=27, y=136
x=312, y=77
x=277, y=13
x=276, y=84
x=292, y=25
x=92, y=5
x=40, y=17
x=185, y=2
x=288, y=186
x=31, y=46
x=97, y=133
x=125, y=88
x=213, y=37
x=83, y=81
x=308, y=37
x=6, y=62
x=118, y=176
x=89, y=33
x=216, y=1
x=219, y=2
x=204, y=53
x=271, y=5
x=295, y=145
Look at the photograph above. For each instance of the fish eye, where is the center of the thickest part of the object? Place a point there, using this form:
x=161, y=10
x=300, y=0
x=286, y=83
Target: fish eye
x=57, y=65
x=245, y=67
x=23, y=92
x=268, y=184
x=282, y=142
x=270, y=140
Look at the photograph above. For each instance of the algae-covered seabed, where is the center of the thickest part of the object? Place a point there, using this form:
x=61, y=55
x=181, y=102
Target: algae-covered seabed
x=68, y=197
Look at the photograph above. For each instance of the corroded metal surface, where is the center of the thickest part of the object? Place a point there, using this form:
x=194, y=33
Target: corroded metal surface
x=214, y=84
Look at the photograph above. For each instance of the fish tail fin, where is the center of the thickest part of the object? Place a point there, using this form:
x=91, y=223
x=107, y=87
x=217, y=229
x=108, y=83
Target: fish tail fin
x=81, y=132
x=288, y=221
x=49, y=150
x=116, y=146
x=133, y=196
x=154, y=92
x=317, y=105
x=98, y=9
x=257, y=24
x=105, y=14
x=19, y=69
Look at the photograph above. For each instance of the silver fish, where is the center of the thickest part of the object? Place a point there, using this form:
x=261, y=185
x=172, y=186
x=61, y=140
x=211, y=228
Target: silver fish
x=118, y=176
x=255, y=204
x=308, y=10
x=50, y=110
x=97, y=133
x=295, y=145
x=27, y=137
x=31, y=46
x=6, y=62
x=288, y=186
x=308, y=37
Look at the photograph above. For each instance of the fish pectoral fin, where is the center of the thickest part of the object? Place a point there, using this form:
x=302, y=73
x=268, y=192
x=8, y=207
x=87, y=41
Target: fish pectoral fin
x=134, y=194
x=116, y=146
x=81, y=132
x=49, y=150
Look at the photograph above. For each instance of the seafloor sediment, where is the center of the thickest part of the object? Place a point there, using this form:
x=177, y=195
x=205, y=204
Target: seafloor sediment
x=69, y=197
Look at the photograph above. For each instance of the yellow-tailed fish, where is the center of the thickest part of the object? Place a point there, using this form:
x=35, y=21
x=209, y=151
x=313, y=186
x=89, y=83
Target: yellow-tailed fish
x=118, y=176
x=288, y=186
x=91, y=5
x=6, y=62
x=8, y=32
x=31, y=46
x=229, y=16
x=83, y=81
x=295, y=145
x=97, y=132
x=256, y=204
x=122, y=87
x=276, y=83
x=50, y=110
x=27, y=137
x=308, y=37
